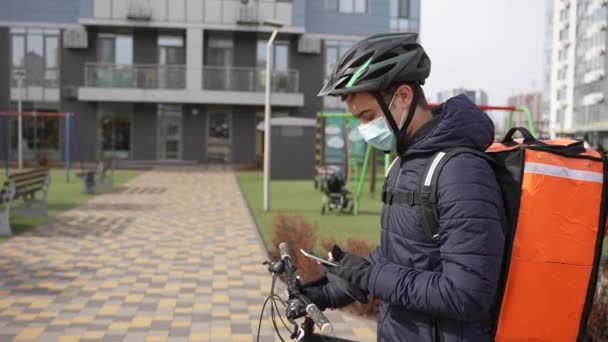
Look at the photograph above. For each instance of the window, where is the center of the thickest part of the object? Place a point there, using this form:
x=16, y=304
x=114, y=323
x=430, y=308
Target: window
x=281, y=78
x=334, y=50
x=563, y=34
x=34, y=58
x=346, y=6
x=114, y=135
x=170, y=50
x=563, y=54
x=36, y=52
x=169, y=131
x=404, y=15
x=116, y=49
x=40, y=137
x=220, y=49
x=18, y=51
x=50, y=57
x=280, y=58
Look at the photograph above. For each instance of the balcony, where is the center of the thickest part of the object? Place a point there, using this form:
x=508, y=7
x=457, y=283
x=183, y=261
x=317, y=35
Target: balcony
x=177, y=84
x=142, y=76
x=249, y=79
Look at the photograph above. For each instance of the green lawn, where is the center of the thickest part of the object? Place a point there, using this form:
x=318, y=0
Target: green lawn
x=300, y=197
x=62, y=196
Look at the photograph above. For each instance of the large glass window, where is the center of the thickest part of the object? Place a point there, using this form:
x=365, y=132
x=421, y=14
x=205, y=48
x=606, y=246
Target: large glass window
x=18, y=51
x=334, y=50
x=219, y=137
x=220, y=49
x=169, y=131
x=40, y=138
x=220, y=59
x=172, y=73
x=114, y=129
x=346, y=6
x=280, y=58
x=280, y=63
x=116, y=48
x=405, y=15
x=35, y=51
x=116, y=53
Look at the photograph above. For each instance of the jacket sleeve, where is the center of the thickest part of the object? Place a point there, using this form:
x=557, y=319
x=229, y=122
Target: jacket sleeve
x=337, y=298
x=471, y=240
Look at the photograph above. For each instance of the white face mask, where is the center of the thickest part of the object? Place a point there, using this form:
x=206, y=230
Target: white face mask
x=377, y=132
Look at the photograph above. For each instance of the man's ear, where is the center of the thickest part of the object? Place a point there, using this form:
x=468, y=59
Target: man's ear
x=405, y=94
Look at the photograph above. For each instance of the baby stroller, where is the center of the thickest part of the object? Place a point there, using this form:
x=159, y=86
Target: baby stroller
x=335, y=194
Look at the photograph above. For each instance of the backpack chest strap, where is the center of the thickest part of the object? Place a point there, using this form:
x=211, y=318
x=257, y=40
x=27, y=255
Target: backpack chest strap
x=408, y=198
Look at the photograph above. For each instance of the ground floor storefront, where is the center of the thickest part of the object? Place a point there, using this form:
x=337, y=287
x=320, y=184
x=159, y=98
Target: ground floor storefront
x=144, y=132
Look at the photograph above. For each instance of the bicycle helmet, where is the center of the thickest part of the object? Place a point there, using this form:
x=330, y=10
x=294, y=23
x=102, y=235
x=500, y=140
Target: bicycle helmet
x=375, y=63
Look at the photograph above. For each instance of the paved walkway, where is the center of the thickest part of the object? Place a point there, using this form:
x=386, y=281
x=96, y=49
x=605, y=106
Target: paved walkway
x=172, y=256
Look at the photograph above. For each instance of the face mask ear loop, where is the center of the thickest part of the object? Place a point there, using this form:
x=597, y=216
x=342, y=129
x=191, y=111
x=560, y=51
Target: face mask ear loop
x=386, y=111
x=402, y=136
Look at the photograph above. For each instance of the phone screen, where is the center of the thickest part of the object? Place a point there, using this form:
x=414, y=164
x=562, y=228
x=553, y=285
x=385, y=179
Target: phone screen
x=321, y=260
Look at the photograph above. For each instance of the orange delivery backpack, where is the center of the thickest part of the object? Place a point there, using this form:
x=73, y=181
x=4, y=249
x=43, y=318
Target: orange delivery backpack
x=555, y=200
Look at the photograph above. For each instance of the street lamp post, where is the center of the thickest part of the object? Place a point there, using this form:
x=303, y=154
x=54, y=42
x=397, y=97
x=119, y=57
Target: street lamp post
x=19, y=75
x=267, y=132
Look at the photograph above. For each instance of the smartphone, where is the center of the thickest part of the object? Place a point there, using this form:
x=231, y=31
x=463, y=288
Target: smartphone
x=321, y=260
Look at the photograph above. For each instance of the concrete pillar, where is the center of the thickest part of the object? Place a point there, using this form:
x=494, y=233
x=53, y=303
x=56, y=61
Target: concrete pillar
x=194, y=58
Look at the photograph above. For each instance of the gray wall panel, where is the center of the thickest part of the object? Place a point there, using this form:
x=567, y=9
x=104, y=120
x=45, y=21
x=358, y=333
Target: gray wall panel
x=243, y=140
x=245, y=49
x=320, y=20
x=311, y=68
x=192, y=133
x=145, y=46
x=144, y=132
x=72, y=75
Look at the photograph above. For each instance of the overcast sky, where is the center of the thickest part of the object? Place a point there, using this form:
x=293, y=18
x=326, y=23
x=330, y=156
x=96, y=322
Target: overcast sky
x=494, y=45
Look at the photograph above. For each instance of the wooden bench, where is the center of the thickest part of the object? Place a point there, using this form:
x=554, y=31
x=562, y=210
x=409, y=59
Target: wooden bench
x=102, y=175
x=31, y=187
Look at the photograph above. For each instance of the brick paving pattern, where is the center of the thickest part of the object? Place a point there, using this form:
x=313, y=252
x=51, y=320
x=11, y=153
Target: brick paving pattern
x=172, y=256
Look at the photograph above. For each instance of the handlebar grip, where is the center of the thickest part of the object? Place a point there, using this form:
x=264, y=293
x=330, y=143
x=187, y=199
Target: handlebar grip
x=284, y=251
x=319, y=318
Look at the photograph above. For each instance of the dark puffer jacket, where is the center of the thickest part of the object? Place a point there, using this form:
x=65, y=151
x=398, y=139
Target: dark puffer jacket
x=451, y=287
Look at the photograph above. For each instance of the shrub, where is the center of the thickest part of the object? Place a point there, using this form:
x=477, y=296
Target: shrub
x=298, y=234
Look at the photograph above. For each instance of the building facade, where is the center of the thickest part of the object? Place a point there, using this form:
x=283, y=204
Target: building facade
x=578, y=83
x=533, y=101
x=479, y=97
x=172, y=80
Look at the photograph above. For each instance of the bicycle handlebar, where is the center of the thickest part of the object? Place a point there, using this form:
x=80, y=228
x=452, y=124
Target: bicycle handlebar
x=311, y=309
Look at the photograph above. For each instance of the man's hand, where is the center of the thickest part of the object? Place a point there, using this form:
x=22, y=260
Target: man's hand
x=315, y=291
x=351, y=268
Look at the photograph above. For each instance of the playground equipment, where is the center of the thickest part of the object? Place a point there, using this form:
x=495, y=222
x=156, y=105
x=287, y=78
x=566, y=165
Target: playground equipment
x=342, y=126
x=68, y=134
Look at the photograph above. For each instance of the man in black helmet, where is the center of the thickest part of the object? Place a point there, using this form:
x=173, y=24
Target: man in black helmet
x=434, y=287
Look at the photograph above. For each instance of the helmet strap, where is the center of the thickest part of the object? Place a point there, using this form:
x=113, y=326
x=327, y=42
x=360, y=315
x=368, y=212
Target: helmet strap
x=400, y=133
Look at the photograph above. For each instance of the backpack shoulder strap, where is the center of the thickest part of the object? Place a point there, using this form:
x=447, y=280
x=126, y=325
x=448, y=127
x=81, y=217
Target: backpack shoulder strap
x=427, y=191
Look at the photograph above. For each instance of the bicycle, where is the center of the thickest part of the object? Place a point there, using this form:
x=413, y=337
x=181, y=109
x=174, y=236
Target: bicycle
x=296, y=305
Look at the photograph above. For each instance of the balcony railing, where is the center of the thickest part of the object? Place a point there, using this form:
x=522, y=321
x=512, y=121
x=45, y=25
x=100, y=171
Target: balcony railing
x=144, y=76
x=151, y=76
x=249, y=79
